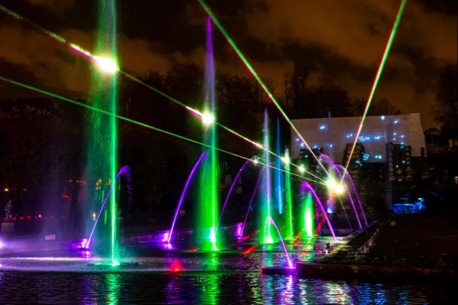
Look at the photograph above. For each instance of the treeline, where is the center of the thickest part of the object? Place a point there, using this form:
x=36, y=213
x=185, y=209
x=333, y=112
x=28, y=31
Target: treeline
x=44, y=139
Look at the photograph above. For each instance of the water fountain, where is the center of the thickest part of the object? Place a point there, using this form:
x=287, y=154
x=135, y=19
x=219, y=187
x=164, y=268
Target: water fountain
x=102, y=132
x=209, y=202
x=102, y=163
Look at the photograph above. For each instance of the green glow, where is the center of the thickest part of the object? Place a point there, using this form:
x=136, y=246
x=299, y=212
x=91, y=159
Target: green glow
x=289, y=198
x=113, y=284
x=309, y=216
x=256, y=76
x=102, y=131
x=377, y=78
x=209, y=201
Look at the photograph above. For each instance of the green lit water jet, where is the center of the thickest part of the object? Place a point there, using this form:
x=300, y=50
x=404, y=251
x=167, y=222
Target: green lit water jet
x=102, y=131
x=289, y=196
x=209, y=201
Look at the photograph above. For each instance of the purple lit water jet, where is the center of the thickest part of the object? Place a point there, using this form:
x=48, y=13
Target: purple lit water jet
x=355, y=192
x=230, y=191
x=306, y=185
x=188, y=181
x=125, y=170
x=251, y=201
x=335, y=167
x=272, y=222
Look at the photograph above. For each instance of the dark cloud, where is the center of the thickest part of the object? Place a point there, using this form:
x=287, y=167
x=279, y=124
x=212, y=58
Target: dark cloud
x=341, y=42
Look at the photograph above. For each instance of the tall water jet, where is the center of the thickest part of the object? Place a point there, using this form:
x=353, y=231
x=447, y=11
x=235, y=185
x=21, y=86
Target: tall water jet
x=208, y=213
x=183, y=193
x=267, y=194
x=288, y=196
x=278, y=187
x=102, y=130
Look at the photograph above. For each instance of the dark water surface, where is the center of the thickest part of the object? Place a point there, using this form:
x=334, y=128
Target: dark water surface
x=199, y=278
x=206, y=287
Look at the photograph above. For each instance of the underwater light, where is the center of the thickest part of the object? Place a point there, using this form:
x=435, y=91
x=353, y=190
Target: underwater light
x=106, y=64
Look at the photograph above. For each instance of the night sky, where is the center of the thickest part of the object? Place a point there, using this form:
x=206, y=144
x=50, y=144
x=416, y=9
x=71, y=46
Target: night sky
x=340, y=41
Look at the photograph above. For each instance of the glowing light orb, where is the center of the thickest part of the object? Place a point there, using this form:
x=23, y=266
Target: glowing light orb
x=106, y=64
x=212, y=235
x=302, y=168
x=286, y=159
x=208, y=118
x=258, y=145
x=115, y=263
x=339, y=189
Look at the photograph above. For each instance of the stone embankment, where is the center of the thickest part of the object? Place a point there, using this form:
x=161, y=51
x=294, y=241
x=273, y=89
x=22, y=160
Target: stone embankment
x=413, y=247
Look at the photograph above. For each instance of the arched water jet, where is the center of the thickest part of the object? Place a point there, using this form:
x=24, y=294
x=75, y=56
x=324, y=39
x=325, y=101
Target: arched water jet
x=251, y=201
x=334, y=166
x=230, y=191
x=346, y=215
x=354, y=192
x=125, y=170
x=180, y=201
x=272, y=222
x=306, y=185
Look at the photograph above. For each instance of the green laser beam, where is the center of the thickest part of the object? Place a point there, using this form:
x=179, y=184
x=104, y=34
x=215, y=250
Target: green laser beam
x=96, y=59
x=115, y=115
x=377, y=78
x=257, y=77
x=134, y=121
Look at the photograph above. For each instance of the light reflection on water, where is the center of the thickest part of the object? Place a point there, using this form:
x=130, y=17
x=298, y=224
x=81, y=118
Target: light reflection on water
x=203, y=288
x=192, y=278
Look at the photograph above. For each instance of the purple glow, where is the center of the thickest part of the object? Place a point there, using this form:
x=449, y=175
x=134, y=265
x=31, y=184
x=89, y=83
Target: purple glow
x=251, y=201
x=335, y=167
x=125, y=170
x=236, y=179
x=165, y=237
x=238, y=229
x=272, y=222
x=191, y=174
x=305, y=185
x=355, y=192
